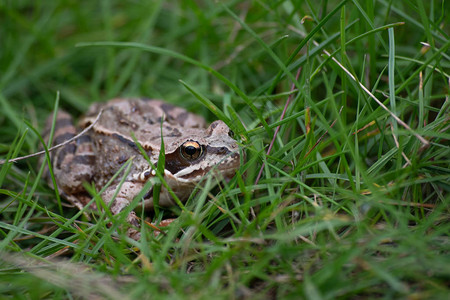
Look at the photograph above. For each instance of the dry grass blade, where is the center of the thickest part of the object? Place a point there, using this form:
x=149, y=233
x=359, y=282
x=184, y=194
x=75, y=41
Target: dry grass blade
x=419, y=137
x=278, y=127
x=78, y=278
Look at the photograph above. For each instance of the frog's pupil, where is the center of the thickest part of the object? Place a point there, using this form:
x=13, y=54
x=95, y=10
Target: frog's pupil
x=190, y=150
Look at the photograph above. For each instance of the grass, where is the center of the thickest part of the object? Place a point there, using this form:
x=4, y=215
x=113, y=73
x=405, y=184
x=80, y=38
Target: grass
x=353, y=201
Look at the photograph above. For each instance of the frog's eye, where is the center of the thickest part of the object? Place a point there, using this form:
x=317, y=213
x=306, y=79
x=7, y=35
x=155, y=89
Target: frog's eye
x=191, y=150
x=231, y=133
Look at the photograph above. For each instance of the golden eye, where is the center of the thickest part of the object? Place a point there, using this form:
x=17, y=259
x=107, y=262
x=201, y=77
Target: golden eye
x=191, y=150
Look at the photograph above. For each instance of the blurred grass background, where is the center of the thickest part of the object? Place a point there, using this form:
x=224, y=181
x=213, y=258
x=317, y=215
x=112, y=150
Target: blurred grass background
x=351, y=204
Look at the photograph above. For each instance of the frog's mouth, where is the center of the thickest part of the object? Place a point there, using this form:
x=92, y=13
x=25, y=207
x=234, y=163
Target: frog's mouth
x=219, y=161
x=224, y=170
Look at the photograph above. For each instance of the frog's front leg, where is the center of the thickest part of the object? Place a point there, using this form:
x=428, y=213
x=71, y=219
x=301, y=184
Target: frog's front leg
x=121, y=200
x=124, y=196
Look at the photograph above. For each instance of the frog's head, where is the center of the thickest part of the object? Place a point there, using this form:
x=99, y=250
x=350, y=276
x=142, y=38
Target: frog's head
x=203, y=151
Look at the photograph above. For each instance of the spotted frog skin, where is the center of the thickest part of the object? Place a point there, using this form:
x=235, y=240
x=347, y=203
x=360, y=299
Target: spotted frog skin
x=192, y=150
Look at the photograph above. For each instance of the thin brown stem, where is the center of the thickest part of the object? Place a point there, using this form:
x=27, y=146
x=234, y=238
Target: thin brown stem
x=56, y=146
x=278, y=127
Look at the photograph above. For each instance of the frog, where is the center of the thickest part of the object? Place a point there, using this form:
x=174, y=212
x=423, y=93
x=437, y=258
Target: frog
x=125, y=131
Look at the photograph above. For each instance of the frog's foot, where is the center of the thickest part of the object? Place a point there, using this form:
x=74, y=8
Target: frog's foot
x=80, y=201
x=118, y=205
x=134, y=234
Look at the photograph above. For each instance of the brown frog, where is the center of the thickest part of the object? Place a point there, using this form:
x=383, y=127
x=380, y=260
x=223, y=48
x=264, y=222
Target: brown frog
x=191, y=151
